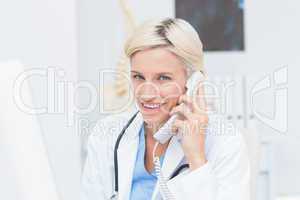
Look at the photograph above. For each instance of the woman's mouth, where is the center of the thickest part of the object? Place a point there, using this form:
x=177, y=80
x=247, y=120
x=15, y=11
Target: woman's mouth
x=151, y=107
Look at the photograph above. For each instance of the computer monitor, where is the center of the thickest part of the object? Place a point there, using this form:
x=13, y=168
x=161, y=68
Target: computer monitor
x=25, y=169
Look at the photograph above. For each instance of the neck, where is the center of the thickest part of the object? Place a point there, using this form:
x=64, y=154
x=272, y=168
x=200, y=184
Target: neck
x=152, y=128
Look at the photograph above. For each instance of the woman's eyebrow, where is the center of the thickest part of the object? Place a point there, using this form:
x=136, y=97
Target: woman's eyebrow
x=135, y=72
x=165, y=73
x=160, y=73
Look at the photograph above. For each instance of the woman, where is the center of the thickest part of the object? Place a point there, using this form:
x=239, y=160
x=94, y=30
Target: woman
x=163, y=56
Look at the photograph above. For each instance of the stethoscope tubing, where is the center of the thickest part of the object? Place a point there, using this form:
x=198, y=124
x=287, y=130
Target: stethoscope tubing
x=116, y=151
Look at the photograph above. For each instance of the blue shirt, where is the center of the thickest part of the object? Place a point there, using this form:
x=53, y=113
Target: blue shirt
x=143, y=182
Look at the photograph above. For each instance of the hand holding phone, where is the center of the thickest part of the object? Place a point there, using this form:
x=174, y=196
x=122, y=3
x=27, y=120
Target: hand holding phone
x=165, y=133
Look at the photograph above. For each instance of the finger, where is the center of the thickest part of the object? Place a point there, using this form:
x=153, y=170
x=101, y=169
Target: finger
x=200, y=121
x=174, y=130
x=180, y=125
x=199, y=104
x=187, y=100
x=182, y=110
x=175, y=127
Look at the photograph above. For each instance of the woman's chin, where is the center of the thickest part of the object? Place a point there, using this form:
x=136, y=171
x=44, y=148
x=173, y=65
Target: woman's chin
x=154, y=116
x=155, y=119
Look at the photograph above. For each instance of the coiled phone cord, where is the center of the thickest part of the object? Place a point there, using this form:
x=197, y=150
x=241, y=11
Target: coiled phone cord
x=164, y=190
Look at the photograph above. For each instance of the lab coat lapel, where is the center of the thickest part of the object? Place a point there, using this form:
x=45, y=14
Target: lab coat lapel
x=126, y=156
x=173, y=157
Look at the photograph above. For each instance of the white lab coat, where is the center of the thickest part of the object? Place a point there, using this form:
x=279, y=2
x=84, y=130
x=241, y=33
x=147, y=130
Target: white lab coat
x=224, y=177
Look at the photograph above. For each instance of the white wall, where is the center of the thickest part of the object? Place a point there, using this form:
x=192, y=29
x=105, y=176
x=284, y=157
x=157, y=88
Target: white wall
x=44, y=33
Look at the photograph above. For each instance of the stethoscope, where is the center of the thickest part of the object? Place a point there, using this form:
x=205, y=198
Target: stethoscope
x=116, y=170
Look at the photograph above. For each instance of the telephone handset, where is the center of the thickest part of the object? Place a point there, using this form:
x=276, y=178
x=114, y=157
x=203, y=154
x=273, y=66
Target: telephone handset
x=164, y=133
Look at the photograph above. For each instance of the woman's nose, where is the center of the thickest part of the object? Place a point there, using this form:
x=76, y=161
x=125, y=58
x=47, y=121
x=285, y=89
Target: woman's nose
x=147, y=91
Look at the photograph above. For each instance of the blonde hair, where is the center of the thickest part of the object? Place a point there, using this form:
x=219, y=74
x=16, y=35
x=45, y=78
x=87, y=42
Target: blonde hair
x=177, y=35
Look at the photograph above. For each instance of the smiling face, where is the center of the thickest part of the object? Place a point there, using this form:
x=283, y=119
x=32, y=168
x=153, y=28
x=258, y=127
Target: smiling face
x=158, y=78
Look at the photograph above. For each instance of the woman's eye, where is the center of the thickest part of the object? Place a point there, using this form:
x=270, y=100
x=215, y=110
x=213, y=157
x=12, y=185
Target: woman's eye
x=138, y=77
x=162, y=77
